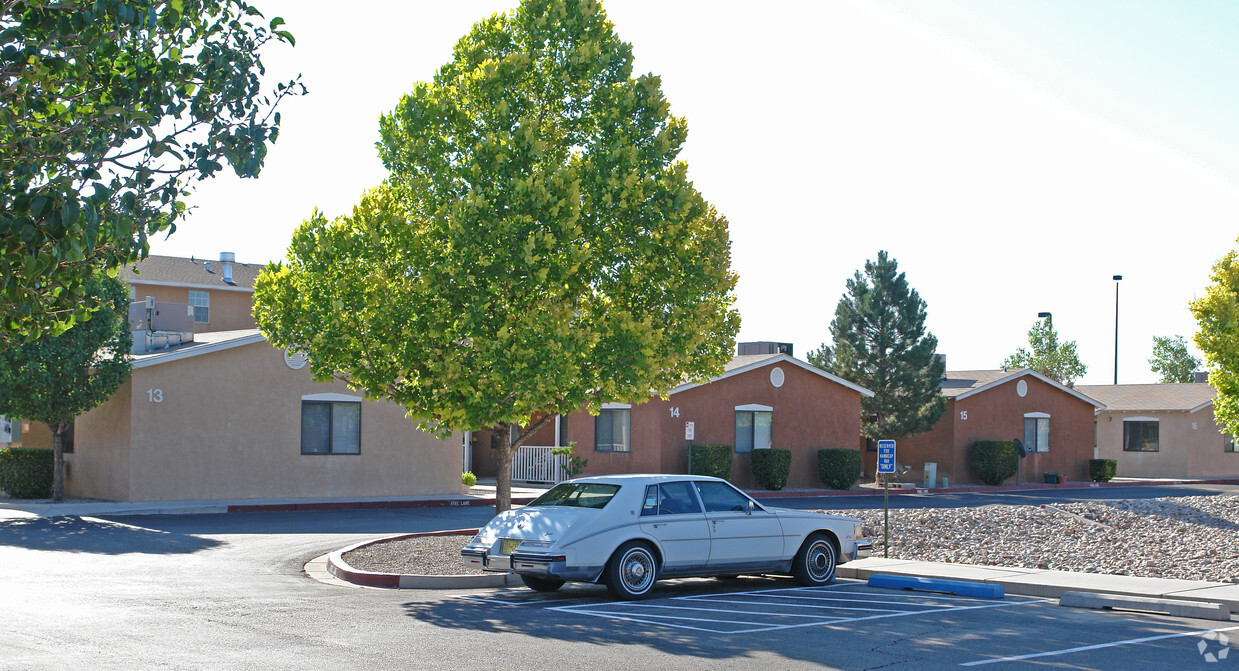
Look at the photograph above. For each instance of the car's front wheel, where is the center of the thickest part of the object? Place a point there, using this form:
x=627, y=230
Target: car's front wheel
x=815, y=562
x=632, y=571
x=537, y=584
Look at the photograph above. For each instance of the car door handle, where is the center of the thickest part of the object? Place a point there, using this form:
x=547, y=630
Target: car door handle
x=658, y=524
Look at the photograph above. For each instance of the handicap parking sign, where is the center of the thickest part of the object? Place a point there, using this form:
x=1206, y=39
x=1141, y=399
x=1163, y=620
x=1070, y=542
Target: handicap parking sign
x=886, y=456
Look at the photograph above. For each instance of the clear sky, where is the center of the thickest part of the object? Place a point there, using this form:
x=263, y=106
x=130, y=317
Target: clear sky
x=1011, y=155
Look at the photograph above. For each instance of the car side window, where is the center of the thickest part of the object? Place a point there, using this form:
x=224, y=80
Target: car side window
x=651, y=501
x=719, y=497
x=677, y=498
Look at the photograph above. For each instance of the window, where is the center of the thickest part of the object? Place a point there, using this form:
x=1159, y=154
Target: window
x=753, y=426
x=1037, y=432
x=670, y=498
x=1228, y=446
x=577, y=495
x=330, y=427
x=719, y=497
x=611, y=429
x=200, y=301
x=1140, y=435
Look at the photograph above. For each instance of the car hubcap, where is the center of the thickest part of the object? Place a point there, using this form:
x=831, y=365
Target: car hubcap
x=821, y=561
x=638, y=569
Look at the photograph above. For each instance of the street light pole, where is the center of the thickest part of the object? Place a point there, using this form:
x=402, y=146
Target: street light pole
x=1116, y=327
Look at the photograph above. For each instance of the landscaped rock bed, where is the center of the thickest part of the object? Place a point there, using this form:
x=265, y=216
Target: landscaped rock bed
x=1194, y=538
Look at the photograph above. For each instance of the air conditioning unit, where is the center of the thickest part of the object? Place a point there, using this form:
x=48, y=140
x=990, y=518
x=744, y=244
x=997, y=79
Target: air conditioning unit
x=150, y=302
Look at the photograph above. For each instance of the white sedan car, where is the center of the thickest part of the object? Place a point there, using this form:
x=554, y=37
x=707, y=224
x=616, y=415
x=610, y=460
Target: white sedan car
x=630, y=530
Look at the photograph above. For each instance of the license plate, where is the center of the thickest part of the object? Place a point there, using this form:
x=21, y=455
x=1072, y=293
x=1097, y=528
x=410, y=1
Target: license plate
x=509, y=545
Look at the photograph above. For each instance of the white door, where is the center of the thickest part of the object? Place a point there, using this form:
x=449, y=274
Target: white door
x=673, y=515
x=739, y=536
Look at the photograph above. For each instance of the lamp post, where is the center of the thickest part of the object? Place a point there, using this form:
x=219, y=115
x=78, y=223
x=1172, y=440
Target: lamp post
x=1116, y=327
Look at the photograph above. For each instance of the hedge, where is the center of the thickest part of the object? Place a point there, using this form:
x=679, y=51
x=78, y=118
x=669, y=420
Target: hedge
x=839, y=468
x=1102, y=470
x=771, y=467
x=26, y=472
x=714, y=460
x=995, y=460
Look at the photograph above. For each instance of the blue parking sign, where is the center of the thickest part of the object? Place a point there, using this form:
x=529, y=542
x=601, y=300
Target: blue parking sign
x=886, y=456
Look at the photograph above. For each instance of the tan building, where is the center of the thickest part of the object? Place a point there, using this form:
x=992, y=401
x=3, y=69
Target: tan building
x=760, y=401
x=1162, y=431
x=1055, y=423
x=231, y=417
x=220, y=294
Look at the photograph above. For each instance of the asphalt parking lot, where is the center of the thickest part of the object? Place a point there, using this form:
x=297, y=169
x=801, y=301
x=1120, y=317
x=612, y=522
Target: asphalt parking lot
x=853, y=626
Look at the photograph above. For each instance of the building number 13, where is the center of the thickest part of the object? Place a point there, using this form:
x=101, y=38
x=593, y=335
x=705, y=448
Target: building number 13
x=154, y=395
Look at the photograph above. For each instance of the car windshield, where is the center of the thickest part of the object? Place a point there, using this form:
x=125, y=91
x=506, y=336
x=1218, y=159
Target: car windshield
x=579, y=495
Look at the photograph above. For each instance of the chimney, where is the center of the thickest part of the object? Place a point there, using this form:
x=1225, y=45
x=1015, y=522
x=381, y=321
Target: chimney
x=942, y=358
x=226, y=260
x=1201, y=377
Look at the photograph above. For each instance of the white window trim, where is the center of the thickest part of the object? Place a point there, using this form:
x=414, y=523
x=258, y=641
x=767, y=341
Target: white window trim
x=754, y=407
x=1141, y=419
x=1036, y=415
x=332, y=398
x=616, y=406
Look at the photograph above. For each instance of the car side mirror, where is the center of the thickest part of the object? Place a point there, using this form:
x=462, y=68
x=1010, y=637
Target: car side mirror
x=748, y=508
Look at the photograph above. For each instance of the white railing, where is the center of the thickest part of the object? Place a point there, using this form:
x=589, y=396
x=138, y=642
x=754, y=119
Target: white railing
x=536, y=463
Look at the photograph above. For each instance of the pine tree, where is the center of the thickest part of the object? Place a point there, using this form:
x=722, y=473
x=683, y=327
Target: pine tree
x=880, y=343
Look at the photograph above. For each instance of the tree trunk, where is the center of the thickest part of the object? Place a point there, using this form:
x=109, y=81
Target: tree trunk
x=503, y=469
x=58, y=460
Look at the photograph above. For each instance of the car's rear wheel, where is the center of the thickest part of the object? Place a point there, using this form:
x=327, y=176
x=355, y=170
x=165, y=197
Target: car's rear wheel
x=537, y=584
x=632, y=571
x=815, y=562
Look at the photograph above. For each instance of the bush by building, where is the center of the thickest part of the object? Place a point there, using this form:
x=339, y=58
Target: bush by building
x=995, y=460
x=839, y=468
x=713, y=460
x=771, y=468
x=26, y=472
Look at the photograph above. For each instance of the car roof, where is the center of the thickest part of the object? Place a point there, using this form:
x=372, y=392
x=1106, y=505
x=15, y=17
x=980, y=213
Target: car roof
x=645, y=478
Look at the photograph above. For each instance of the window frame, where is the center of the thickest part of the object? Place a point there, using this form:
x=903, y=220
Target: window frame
x=1130, y=423
x=203, y=302
x=612, y=410
x=330, y=401
x=1035, y=445
x=749, y=443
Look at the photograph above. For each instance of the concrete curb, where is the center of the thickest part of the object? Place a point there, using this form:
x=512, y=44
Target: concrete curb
x=340, y=569
x=966, y=489
x=1202, y=610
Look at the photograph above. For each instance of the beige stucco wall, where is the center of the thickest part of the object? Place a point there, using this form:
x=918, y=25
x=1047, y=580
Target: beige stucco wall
x=1189, y=445
x=230, y=309
x=99, y=465
x=229, y=427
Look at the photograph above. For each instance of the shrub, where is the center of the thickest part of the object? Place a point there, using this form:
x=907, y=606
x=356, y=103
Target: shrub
x=712, y=460
x=468, y=479
x=995, y=460
x=26, y=472
x=575, y=465
x=1102, y=470
x=771, y=468
x=838, y=468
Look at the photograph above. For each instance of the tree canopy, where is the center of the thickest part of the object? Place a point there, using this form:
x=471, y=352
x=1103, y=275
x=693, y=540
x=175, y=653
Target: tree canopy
x=1172, y=361
x=536, y=249
x=881, y=343
x=1217, y=315
x=53, y=379
x=1046, y=355
x=108, y=111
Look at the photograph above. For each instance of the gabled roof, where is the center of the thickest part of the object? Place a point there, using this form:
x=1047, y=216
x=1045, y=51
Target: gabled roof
x=746, y=362
x=1187, y=397
x=964, y=383
x=204, y=343
x=174, y=271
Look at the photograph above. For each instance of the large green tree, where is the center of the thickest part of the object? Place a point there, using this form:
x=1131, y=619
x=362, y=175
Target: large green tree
x=1217, y=315
x=537, y=247
x=55, y=378
x=109, y=110
x=1172, y=361
x=1046, y=355
x=881, y=343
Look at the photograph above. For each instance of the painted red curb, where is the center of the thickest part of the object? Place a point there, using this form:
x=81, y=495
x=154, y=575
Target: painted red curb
x=337, y=567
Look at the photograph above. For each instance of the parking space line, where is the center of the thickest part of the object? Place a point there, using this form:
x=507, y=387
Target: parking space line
x=824, y=598
x=799, y=605
x=1099, y=646
x=539, y=602
x=627, y=618
x=710, y=610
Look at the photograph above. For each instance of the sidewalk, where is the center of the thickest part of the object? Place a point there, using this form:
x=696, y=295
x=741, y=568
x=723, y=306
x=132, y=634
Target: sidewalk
x=1049, y=584
x=481, y=494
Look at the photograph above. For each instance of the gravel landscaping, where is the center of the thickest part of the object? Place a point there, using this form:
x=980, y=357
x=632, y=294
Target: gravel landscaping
x=1193, y=538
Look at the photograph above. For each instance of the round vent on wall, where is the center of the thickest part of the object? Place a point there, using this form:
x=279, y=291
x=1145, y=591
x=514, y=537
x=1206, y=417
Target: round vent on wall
x=294, y=359
x=1021, y=388
x=776, y=376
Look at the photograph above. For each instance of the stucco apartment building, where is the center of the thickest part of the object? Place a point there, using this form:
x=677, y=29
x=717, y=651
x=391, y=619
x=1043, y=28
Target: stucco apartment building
x=213, y=411
x=1162, y=431
x=764, y=400
x=1055, y=423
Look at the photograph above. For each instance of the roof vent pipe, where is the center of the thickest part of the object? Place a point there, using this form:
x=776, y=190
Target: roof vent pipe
x=226, y=260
